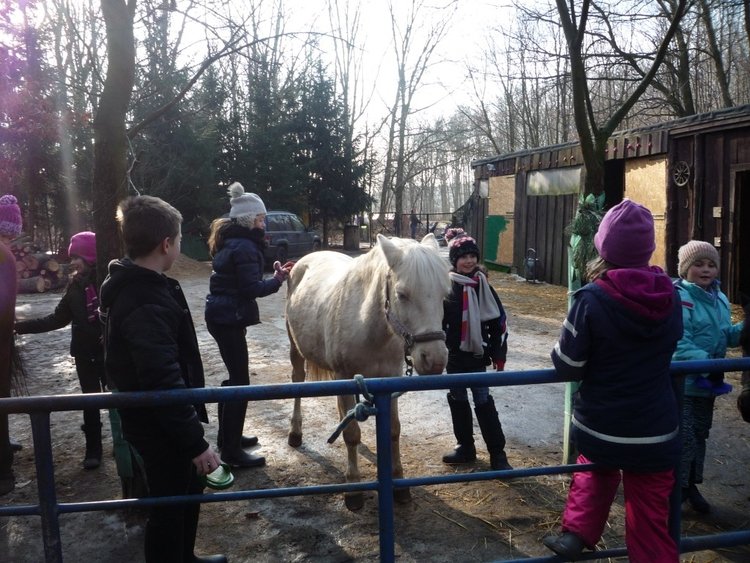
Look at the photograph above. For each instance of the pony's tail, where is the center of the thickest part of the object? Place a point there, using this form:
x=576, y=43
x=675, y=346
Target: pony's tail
x=317, y=373
x=295, y=276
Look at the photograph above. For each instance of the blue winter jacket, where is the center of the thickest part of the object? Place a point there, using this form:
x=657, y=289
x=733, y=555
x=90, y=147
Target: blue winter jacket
x=618, y=340
x=237, y=278
x=708, y=330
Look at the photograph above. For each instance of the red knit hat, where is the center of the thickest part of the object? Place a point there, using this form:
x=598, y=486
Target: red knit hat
x=626, y=235
x=83, y=245
x=10, y=216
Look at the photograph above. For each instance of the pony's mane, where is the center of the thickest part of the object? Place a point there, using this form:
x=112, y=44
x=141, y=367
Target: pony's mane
x=419, y=263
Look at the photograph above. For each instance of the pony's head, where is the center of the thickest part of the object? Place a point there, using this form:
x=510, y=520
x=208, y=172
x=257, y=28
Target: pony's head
x=417, y=284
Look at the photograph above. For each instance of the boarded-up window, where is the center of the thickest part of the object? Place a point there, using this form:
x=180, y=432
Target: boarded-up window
x=561, y=181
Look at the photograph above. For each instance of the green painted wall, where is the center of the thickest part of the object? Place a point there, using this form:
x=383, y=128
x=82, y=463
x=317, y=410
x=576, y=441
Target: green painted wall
x=494, y=226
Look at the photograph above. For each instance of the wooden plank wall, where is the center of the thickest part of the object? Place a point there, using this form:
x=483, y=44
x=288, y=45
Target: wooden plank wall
x=541, y=223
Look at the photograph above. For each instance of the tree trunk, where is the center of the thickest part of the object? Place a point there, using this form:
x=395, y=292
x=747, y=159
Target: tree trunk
x=110, y=148
x=715, y=51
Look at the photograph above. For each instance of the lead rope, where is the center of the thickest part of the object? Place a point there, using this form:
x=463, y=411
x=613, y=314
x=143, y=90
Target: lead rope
x=364, y=408
x=361, y=411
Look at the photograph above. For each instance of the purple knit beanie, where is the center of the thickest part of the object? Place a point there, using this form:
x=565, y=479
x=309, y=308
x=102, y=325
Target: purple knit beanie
x=83, y=245
x=10, y=217
x=626, y=235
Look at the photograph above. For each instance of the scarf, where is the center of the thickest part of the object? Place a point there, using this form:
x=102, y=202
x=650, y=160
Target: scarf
x=92, y=304
x=478, y=305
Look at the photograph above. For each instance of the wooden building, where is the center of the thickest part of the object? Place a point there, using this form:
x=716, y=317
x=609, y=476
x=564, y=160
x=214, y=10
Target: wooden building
x=692, y=173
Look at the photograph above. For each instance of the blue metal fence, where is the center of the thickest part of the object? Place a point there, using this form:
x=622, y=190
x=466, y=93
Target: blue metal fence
x=49, y=509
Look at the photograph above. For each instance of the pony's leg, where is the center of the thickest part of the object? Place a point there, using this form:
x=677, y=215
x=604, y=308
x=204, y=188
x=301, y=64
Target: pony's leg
x=401, y=495
x=298, y=376
x=352, y=438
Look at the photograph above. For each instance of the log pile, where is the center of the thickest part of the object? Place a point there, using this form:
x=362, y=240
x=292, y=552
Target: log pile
x=37, y=271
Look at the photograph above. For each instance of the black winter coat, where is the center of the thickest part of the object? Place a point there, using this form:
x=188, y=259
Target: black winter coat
x=494, y=332
x=85, y=336
x=150, y=345
x=237, y=278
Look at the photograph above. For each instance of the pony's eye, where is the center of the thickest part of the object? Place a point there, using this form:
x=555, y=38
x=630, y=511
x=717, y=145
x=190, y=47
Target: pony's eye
x=402, y=295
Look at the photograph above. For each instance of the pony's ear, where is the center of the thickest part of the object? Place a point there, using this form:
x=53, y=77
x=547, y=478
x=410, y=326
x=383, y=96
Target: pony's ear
x=392, y=253
x=430, y=240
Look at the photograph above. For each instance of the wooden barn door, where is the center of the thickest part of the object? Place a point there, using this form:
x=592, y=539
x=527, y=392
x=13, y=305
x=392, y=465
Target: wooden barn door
x=737, y=262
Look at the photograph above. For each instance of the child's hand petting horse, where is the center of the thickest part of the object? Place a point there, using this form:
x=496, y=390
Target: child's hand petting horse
x=281, y=273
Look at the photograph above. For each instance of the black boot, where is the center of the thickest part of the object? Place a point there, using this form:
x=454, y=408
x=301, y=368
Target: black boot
x=696, y=500
x=93, y=457
x=463, y=429
x=492, y=432
x=245, y=441
x=233, y=415
x=567, y=545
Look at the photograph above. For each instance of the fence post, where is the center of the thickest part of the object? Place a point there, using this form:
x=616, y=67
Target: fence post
x=385, y=477
x=45, y=476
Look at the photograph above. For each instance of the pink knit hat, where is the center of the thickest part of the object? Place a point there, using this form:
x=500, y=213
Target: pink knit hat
x=83, y=245
x=10, y=216
x=626, y=235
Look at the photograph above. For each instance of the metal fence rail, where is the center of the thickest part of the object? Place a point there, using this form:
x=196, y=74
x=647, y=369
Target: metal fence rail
x=49, y=509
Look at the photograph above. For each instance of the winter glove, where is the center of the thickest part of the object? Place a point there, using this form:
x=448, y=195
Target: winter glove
x=499, y=365
x=714, y=384
x=743, y=404
x=281, y=273
x=703, y=383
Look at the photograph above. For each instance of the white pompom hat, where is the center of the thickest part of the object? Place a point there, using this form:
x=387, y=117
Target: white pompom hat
x=245, y=206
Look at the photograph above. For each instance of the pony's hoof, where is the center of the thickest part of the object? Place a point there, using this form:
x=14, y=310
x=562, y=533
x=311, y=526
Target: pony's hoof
x=295, y=440
x=402, y=496
x=354, y=501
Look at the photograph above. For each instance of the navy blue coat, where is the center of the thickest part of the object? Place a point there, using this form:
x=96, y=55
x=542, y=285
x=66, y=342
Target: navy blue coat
x=237, y=278
x=618, y=341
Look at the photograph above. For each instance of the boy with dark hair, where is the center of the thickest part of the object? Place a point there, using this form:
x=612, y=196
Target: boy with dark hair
x=150, y=345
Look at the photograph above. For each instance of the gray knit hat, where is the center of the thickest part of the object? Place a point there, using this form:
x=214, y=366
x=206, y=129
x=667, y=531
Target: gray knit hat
x=245, y=206
x=695, y=250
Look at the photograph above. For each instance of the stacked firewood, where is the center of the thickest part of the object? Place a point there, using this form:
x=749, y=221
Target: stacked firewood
x=38, y=271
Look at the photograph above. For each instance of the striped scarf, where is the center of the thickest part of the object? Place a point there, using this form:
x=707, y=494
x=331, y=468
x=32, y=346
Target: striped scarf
x=477, y=306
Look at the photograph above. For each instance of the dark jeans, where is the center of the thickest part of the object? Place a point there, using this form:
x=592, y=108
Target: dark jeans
x=6, y=454
x=232, y=344
x=91, y=376
x=170, y=531
x=464, y=362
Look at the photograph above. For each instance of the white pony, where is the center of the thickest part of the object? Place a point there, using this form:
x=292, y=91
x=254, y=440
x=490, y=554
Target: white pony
x=348, y=316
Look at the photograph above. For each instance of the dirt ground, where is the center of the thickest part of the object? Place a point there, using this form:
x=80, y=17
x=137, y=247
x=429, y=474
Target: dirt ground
x=484, y=521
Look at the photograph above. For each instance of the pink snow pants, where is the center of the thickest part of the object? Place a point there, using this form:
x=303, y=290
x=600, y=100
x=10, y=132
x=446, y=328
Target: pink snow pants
x=646, y=511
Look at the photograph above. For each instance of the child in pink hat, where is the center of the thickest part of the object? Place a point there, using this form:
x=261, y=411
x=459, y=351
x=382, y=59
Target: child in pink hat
x=79, y=307
x=618, y=340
